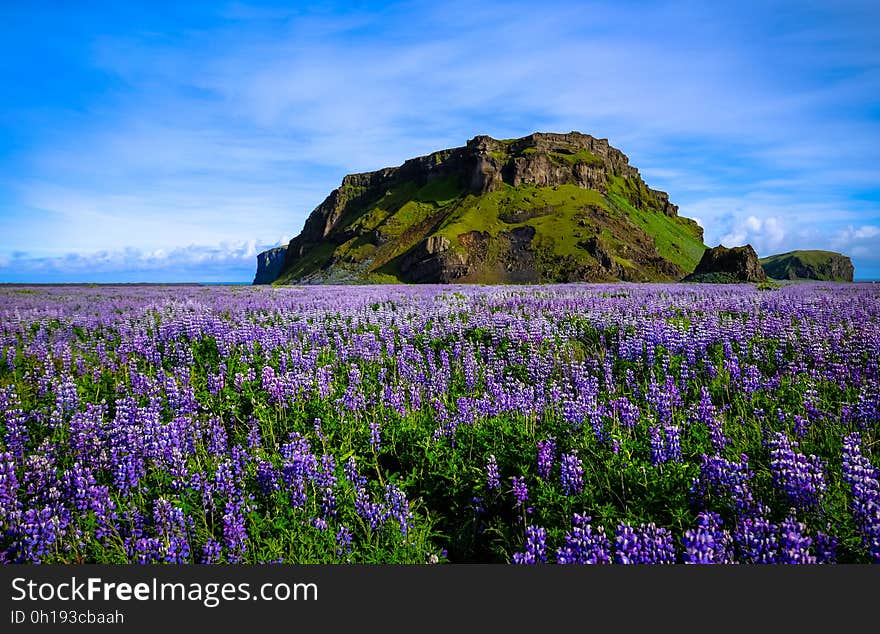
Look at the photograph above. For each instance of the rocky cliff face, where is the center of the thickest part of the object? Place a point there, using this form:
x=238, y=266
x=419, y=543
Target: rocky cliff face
x=546, y=207
x=269, y=265
x=720, y=264
x=809, y=265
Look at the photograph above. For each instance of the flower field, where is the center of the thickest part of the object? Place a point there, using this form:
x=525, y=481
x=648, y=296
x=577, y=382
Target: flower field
x=396, y=424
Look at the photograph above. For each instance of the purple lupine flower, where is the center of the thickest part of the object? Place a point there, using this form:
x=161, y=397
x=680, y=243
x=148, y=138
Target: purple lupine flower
x=658, y=446
x=10, y=506
x=216, y=437
x=627, y=412
x=535, y=548
x=320, y=523
x=520, y=490
x=724, y=482
x=708, y=543
x=866, y=411
x=352, y=475
x=800, y=478
x=216, y=383
x=40, y=530
x=375, y=435
x=493, y=478
x=397, y=508
x=211, y=552
x=646, y=544
x=177, y=551
x=235, y=533
x=325, y=480
x=319, y=430
x=353, y=399
x=664, y=399
x=707, y=414
x=864, y=483
x=756, y=539
x=254, y=438
x=794, y=542
x=66, y=400
x=672, y=438
x=368, y=510
x=546, y=456
x=801, y=425
x=572, y=473
x=272, y=385
x=584, y=545
x=343, y=541
x=825, y=546
x=267, y=477
x=298, y=467
x=16, y=431
x=147, y=550
x=78, y=483
x=665, y=444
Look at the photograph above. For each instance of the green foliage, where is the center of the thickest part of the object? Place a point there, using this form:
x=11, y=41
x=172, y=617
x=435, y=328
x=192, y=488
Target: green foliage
x=440, y=191
x=717, y=277
x=582, y=157
x=557, y=209
x=311, y=261
x=768, y=285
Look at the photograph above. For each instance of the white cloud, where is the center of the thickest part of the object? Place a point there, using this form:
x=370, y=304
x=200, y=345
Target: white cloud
x=238, y=254
x=857, y=238
x=771, y=223
x=866, y=231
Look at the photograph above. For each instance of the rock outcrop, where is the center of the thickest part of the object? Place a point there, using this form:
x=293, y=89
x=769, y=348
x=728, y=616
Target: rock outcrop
x=723, y=265
x=269, y=265
x=809, y=265
x=543, y=208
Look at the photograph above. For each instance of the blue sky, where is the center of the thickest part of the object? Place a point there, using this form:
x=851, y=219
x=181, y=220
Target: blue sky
x=162, y=142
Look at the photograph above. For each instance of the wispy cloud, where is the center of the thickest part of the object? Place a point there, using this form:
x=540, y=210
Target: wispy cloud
x=212, y=263
x=863, y=242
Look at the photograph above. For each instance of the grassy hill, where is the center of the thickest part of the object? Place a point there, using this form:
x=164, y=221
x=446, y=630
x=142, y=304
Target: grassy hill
x=809, y=265
x=544, y=208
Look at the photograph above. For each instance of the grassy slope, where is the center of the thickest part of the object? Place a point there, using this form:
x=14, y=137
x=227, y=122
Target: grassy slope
x=676, y=240
x=486, y=212
x=393, y=215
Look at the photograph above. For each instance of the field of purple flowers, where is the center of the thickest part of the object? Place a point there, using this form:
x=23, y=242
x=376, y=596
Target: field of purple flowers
x=392, y=424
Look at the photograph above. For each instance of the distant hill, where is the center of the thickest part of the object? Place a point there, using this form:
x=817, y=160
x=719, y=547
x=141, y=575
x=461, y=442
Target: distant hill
x=543, y=208
x=809, y=265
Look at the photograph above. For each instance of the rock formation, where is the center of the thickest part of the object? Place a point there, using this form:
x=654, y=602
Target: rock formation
x=543, y=208
x=269, y=265
x=722, y=265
